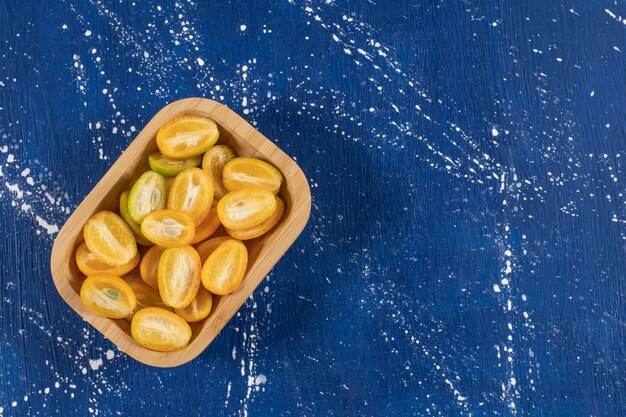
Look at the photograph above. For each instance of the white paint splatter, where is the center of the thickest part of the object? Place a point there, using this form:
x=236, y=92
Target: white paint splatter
x=94, y=364
x=50, y=228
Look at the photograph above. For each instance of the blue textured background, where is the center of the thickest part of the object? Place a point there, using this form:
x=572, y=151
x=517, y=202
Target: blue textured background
x=465, y=253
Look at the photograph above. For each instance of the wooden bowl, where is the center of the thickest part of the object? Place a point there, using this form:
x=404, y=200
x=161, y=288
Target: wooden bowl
x=263, y=252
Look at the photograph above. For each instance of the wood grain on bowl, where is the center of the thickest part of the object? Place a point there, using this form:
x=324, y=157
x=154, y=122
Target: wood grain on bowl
x=264, y=251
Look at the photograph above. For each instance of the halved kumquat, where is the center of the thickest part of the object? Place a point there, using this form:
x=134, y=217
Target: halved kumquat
x=146, y=297
x=206, y=248
x=192, y=192
x=244, y=173
x=244, y=209
x=148, y=194
x=159, y=329
x=169, y=228
x=109, y=239
x=213, y=163
x=187, y=136
x=149, y=266
x=199, y=308
x=171, y=167
x=207, y=227
x=225, y=268
x=89, y=264
x=136, y=228
x=108, y=296
x=261, y=228
x=179, y=276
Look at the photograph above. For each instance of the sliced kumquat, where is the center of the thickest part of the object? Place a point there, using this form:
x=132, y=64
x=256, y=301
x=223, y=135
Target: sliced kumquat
x=199, y=308
x=213, y=163
x=136, y=228
x=187, y=136
x=192, y=192
x=244, y=209
x=206, y=248
x=109, y=239
x=225, y=268
x=171, y=167
x=179, y=276
x=261, y=228
x=244, y=173
x=207, y=227
x=89, y=264
x=159, y=329
x=169, y=228
x=146, y=297
x=149, y=267
x=148, y=194
x=108, y=296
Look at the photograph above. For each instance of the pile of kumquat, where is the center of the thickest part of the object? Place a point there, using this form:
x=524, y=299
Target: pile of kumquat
x=174, y=211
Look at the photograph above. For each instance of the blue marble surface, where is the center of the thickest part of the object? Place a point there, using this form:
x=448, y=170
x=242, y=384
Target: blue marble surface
x=465, y=252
